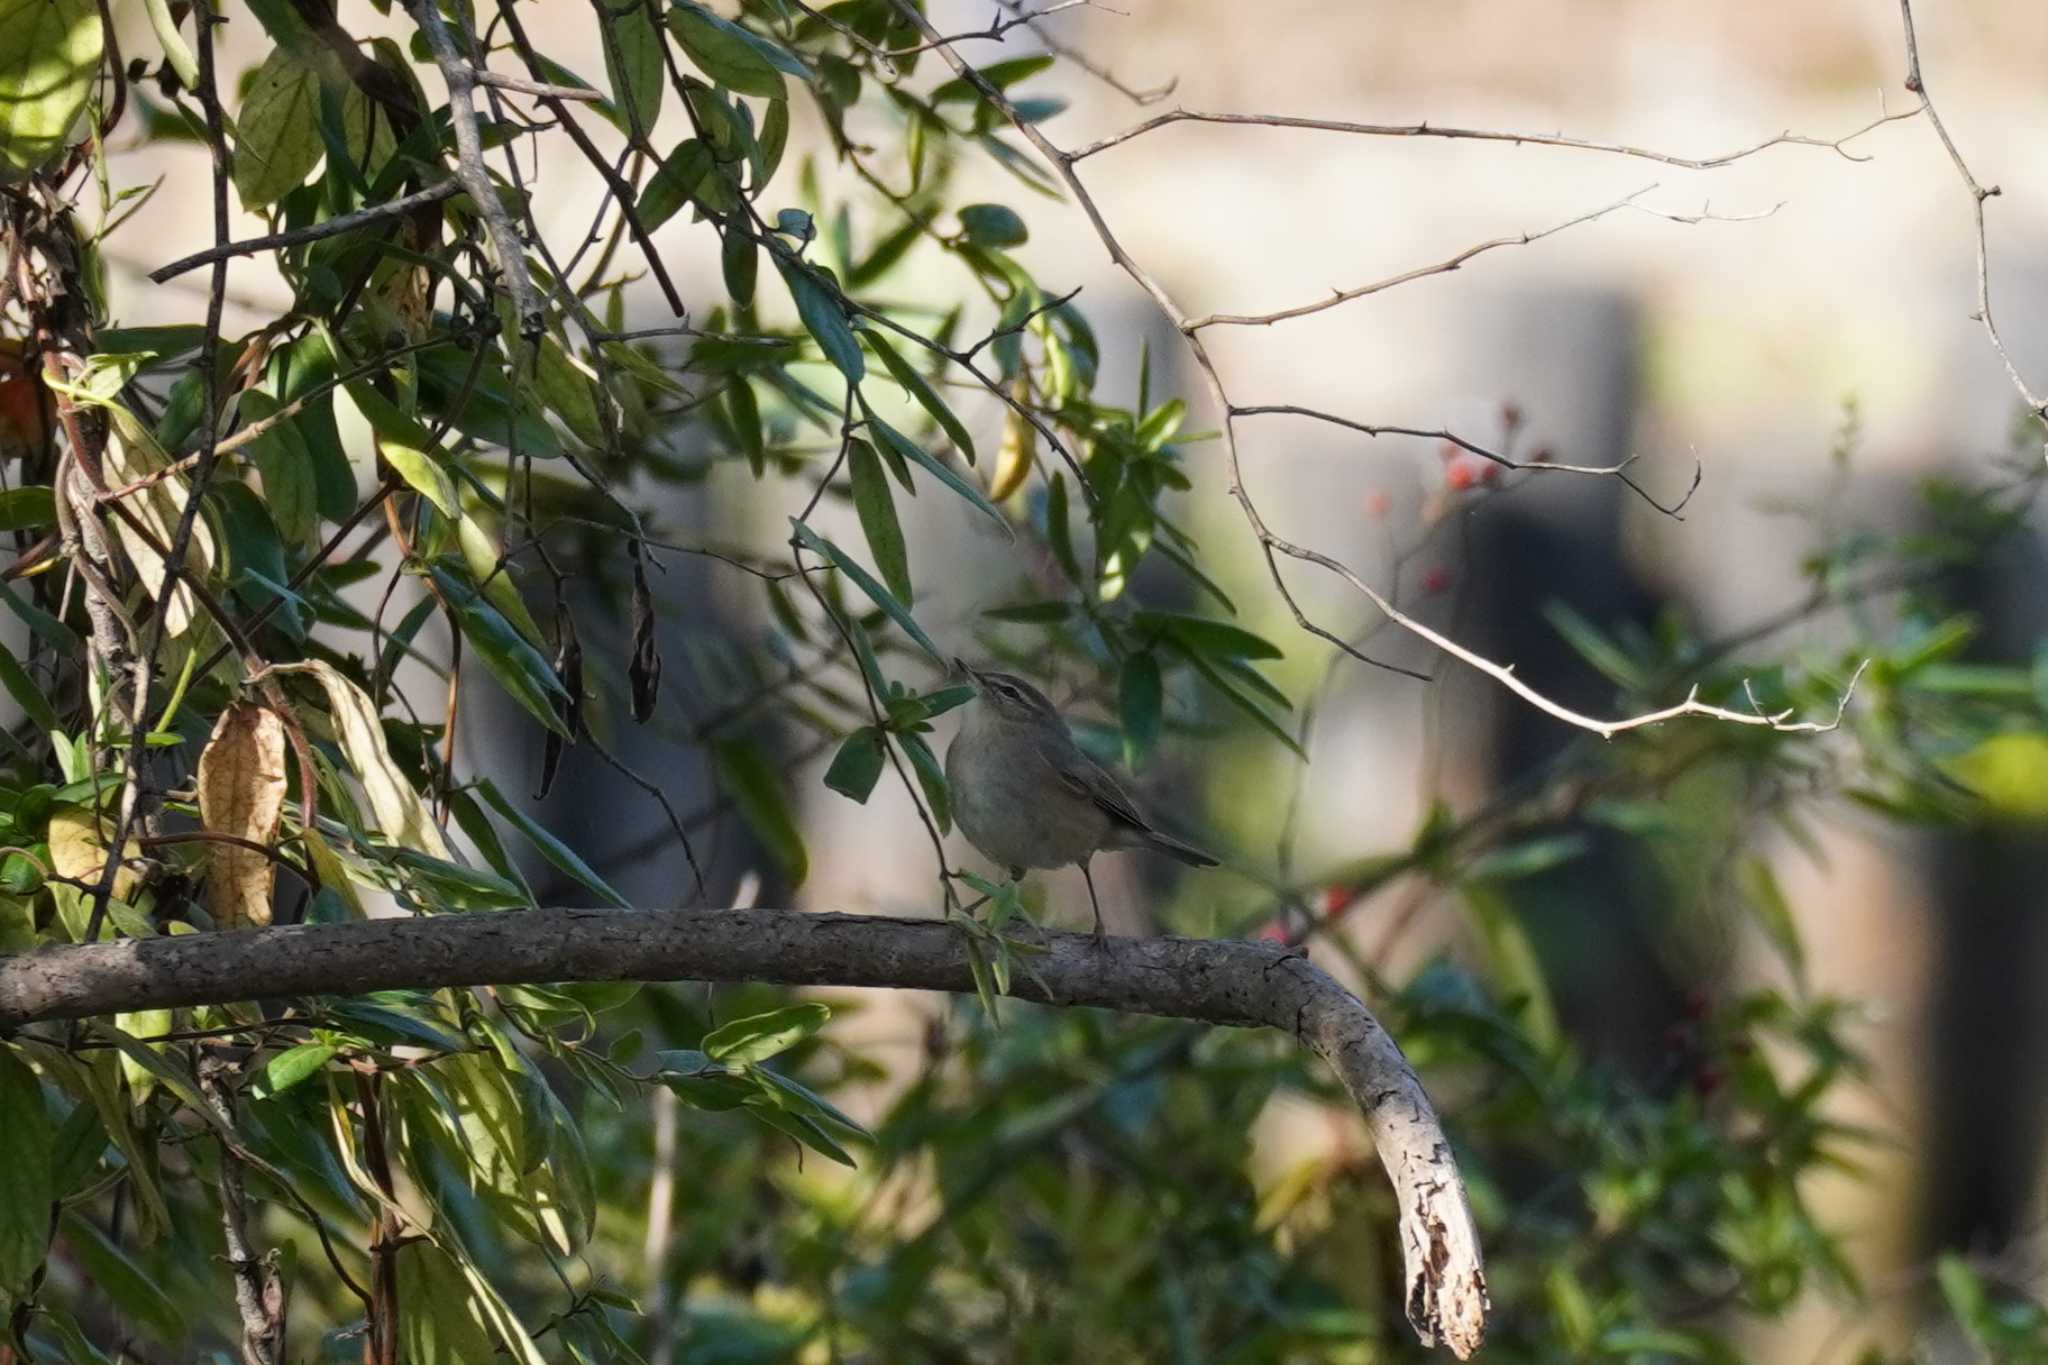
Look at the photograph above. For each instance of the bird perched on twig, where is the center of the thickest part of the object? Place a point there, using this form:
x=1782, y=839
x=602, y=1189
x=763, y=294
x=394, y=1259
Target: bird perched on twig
x=1026, y=796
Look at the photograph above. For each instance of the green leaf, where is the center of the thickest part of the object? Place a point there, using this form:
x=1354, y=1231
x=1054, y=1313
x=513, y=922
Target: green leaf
x=25, y=509
x=1513, y=960
x=674, y=183
x=1593, y=645
x=397, y=1017
x=256, y=553
x=1217, y=679
x=1526, y=859
x=293, y=373
x=281, y=456
x=49, y=52
x=760, y=1036
x=904, y=373
x=1201, y=635
x=931, y=776
x=26, y=694
x=756, y=789
x=117, y=1277
x=1161, y=423
x=739, y=261
x=1058, y=534
x=946, y=474
x=291, y=1067
x=518, y=667
x=633, y=64
x=729, y=54
x=1031, y=613
x=877, y=508
x=443, y=1322
x=27, y=1175
x=470, y=818
x=1141, y=699
x=554, y=850
x=798, y=1098
x=567, y=391
x=994, y=225
x=278, y=142
x=858, y=764
x=1001, y=75
x=744, y=410
x=824, y=317
x=446, y=884
x=865, y=581
x=801, y=1127
x=1772, y=912
x=482, y=557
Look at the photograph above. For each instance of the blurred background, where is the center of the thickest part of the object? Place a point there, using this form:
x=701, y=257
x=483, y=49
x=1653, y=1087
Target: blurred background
x=1823, y=302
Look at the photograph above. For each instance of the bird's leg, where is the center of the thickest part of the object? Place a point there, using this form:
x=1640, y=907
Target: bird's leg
x=1101, y=935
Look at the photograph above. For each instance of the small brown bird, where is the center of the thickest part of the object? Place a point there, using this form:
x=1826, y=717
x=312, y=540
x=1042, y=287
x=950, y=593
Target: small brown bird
x=1026, y=796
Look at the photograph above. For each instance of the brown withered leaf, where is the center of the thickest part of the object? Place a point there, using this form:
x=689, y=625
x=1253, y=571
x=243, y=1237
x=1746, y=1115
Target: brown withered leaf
x=241, y=792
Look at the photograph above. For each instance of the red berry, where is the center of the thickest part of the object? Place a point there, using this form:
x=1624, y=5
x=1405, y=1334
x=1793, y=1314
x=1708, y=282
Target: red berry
x=1272, y=931
x=1709, y=1079
x=1334, y=899
x=1461, y=475
x=1542, y=455
x=1489, y=473
x=1378, y=504
x=1436, y=580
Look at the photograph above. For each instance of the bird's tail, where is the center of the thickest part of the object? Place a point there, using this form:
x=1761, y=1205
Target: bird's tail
x=1175, y=849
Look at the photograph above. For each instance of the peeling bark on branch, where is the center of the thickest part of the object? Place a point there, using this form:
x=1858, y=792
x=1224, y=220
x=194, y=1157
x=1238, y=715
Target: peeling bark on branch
x=1247, y=984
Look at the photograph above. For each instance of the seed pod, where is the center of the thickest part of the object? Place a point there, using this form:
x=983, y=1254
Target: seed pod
x=569, y=707
x=644, y=672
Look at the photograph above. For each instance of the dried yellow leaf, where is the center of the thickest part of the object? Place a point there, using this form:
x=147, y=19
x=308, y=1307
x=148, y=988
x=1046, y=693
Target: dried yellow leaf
x=241, y=792
x=1019, y=449
x=393, y=803
x=78, y=849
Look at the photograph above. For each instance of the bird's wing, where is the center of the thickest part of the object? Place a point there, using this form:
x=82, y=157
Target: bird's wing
x=1085, y=777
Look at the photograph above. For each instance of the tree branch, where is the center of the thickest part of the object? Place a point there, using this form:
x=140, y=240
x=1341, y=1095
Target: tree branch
x=1326, y=125
x=320, y=231
x=2037, y=405
x=1245, y=984
x=469, y=168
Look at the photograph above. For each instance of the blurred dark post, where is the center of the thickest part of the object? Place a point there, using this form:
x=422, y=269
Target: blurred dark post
x=1987, y=1107
x=1569, y=358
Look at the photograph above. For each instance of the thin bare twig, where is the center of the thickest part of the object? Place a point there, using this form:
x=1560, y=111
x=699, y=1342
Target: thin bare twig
x=2037, y=406
x=1787, y=138
x=320, y=231
x=521, y=86
x=1456, y=262
x=1272, y=545
x=1611, y=471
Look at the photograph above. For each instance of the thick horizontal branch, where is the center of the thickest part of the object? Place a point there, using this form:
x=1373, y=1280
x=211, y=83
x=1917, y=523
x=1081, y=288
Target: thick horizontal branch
x=1247, y=984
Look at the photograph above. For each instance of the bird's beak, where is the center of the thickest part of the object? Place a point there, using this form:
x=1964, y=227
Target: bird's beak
x=961, y=666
